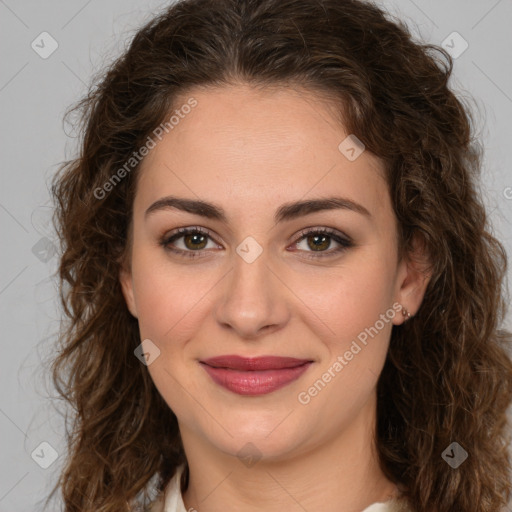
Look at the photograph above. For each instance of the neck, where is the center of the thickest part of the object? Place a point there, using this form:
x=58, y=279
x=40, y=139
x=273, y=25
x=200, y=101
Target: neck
x=341, y=474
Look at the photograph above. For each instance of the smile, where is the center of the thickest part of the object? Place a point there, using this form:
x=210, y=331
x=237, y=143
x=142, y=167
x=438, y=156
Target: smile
x=254, y=376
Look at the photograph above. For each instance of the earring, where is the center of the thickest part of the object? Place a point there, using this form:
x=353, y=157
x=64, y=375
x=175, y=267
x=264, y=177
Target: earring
x=406, y=313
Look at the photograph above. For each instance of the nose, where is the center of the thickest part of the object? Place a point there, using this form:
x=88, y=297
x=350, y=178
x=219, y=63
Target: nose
x=253, y=300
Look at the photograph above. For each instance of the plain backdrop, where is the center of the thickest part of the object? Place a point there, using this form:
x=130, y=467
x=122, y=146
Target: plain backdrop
x=39, y=80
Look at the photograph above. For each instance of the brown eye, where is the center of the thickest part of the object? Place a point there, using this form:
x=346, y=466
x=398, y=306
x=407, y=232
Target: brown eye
x=189, y=242
x=195, y=241
x=320, y=240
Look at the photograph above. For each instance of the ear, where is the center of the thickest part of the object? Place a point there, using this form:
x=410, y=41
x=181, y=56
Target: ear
x=126, y=280
x=413, y=276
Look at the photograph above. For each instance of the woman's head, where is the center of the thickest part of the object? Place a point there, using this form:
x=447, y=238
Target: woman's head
x=251, y=106
x=257, y=283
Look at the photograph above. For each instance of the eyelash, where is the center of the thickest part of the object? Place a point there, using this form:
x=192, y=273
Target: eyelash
x=345, y=243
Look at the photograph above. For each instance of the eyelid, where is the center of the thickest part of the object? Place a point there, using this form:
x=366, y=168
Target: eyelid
x=322, y=229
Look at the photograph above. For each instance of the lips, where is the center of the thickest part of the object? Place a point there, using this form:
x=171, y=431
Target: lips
x=254, y=376
x=254, y=363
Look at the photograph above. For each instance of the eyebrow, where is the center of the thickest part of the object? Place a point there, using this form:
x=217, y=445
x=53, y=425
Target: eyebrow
x=285, y=212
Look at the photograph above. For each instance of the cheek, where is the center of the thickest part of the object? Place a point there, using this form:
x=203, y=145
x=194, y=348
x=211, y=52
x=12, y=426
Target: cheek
x=356, y=305
x=168, y=304
x=165, y=295
x=350, y=297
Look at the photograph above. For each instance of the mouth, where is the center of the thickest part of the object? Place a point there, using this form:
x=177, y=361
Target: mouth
x=254, y=376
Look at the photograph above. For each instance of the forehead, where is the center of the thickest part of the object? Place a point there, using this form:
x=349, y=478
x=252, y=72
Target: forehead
x=258, y=146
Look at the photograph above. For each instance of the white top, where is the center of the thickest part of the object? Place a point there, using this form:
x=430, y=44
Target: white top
x=174, y=501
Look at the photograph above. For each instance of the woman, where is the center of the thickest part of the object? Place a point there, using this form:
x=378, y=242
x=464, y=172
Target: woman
x=282, y=289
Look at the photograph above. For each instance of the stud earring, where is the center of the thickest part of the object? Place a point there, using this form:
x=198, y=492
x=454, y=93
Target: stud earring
x=406, y=313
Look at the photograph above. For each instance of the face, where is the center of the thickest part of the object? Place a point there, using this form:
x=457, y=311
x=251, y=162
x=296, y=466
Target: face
x=257, y=277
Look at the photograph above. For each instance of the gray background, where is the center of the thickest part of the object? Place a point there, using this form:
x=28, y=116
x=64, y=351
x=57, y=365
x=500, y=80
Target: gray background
x=34, y=93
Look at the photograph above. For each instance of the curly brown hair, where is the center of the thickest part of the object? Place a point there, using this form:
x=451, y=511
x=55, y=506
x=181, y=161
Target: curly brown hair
x=448, y=373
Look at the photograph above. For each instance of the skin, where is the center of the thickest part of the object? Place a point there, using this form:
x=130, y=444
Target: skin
x=249, y=151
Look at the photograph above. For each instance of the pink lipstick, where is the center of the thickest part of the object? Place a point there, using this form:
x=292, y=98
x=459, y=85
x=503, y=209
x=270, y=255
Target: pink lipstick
x=254, y=376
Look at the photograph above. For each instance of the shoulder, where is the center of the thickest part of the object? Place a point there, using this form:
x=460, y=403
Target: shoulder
x=157, y=505
x=394, y=505
x=398, y=505
x=170, y=498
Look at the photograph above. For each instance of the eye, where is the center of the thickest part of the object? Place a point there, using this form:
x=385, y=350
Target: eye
x=195, y=240
x=319, y=240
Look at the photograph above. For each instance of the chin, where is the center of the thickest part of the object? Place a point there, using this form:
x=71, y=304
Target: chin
x=260, y=438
